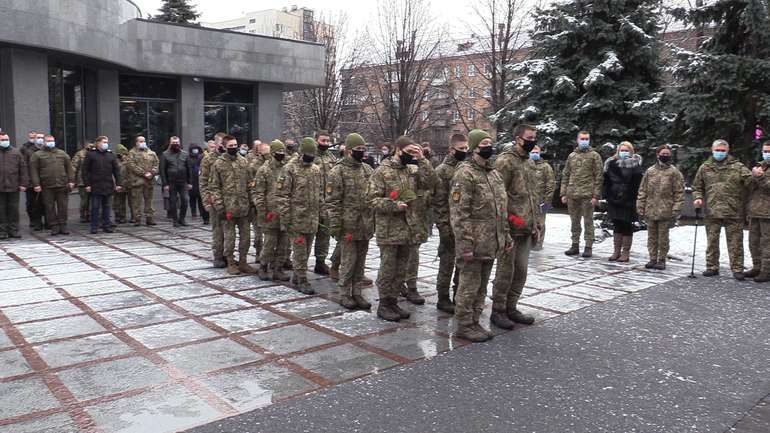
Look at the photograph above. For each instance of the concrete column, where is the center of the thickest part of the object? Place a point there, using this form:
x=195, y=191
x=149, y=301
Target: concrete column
x=24, y=92
x=269, y=111
x=108, y=105
x=191, y=111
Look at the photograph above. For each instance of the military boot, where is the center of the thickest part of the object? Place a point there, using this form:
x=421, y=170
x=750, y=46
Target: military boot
x=618, y=243
x=220, y=263
x=401, y=312
x=752, y=273
x=518, y=317
x=320, y=267
x=501, y=320
x=471, y=333
x=303, y=285
x=588, y=252
x=347, y=300
x=288, y=265
x=151, y=222
x=278, y=274
x=445, y=304
x=625, y=252
x=574, y=250
x=362, y=303
x=232, y=267
x=386, y=311
x=739, y=276
x=710, y=273
x=661, y=265
x=264, y=273
x=762, y=277
x=411, y=295
x=244, y=267
x=651, y=264
x=334, y=273
x=488, y=332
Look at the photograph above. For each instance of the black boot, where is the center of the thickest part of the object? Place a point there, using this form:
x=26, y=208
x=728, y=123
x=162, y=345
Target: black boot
x=574, y=250
x=445, y=304
x=501, y=320
x=320, y=267
x=386, y=310
x=519, y=317
x=752, y=273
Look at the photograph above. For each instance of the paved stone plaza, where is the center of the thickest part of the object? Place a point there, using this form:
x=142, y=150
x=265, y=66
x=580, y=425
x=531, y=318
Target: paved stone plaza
x=135, y=332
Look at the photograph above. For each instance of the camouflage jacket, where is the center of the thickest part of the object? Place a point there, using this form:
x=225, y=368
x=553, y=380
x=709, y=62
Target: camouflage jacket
x=77, y=164
x=478, y=210
x=299, y=200
x=346, y=204
x=266, y=187
x=325, y=161
x=255, y=161
x=520, y=182
x=583, y=175
x=444, y=173
x=229, y=186
x=122, y=166
x=394, y=226
x=759, y=198
x=661, y=194
x=546, y=182
x=205, y=174
x=426, y=185
x=51, y=168
x=722, y=187
x=137, y=163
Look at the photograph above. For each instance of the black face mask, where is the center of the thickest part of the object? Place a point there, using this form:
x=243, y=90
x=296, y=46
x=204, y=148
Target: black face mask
x=460, y=155
x=486, y=152
x=232, y=151
x=278, y=156
x=406, y=158
x=291, y=148
x=175, y=148
x=665, y=159
x=323, y=147
x=529, y=145
x=307, y=159
x=221, y=149
x=358, y=155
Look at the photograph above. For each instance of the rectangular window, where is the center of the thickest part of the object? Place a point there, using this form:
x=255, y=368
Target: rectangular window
x=487, y=92
x=488, y=71
x=472, y=92
x=458, y=71
x=471, y=70
x=252, y=21
x=458, y=93
x=471, y=114
x=455, y=116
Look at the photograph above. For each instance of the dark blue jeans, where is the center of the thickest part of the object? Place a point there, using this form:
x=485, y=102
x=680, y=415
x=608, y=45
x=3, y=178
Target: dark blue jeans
x=100, y=203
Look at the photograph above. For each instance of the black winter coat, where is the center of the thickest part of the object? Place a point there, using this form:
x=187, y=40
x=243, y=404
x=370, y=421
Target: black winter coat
x=622, y=179
x=175, y=168
x=101, y=172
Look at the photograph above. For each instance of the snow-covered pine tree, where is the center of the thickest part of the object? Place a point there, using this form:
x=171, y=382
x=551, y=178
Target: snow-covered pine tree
x=594, y=66
x=177, y=11
x=723, y=89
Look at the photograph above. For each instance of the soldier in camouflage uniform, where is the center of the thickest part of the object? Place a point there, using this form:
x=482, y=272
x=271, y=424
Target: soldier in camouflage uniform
x=581, y=187
x=425, y=182
x=325, y=161
x=520, y=183
x=267, y=183
x=351, y=220
x=392, y=188
x=759, y=214
x=217, y=234
x=546, y=185
x=142, y=164
x=229, y=188
x=720, y=184
x=660, y=199
x=120, y=198
x=77, y=163
x=478, y=210
x=458, y=150
x=298, y=203
x=258, y=155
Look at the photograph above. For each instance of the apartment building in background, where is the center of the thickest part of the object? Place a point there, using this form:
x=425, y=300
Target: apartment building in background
x=288, y=23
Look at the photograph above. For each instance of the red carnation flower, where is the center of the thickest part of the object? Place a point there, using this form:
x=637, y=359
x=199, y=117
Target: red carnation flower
x=516, y=220
x=393, y=195
x=229, y=216
x=269, y=217
x=300, y=240
x=349, y=237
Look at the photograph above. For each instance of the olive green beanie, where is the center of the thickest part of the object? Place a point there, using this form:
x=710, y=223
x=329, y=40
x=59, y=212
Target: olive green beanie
x=277, y=145
x=307, y=146
x=475, y=137
x=354, y=140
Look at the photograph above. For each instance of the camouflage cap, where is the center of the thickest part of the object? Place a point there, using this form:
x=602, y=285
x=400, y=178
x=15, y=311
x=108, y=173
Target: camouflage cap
x=122, y=150
x=354, y=140
x=475, y=137
x=277, y=145
x=308, y=146
x=403, y=141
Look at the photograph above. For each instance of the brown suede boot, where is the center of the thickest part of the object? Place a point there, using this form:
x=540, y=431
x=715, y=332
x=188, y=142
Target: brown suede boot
x=472, y=333
x=618, y=239
x=625, y=252
x=411, y=295
x=244, y=267
x=232, y=267
x=386, y=310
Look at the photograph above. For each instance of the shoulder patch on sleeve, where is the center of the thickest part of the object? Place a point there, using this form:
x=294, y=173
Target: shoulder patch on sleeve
x=456, y=195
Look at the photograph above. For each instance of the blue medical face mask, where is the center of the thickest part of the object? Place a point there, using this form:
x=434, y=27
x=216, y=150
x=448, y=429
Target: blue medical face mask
x=766, y=156
x=105, y=146
x=719, y=155
x=583, y=144
x=624, y=154
x=143, y=145
x=5, y=144
x=39, y=141
x=534, y=156
x=51, y=144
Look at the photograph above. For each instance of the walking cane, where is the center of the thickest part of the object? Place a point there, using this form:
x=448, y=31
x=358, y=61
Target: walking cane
x=695, y=242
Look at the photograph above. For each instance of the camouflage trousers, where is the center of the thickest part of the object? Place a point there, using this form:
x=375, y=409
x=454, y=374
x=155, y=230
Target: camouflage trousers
x=275, y=248
x=734, y=231
x=322, y=241
x=244, y=237
x=759, y=243
x=541, y=223
x=352, y=260
x=511, y=274
x=301, y=243
x=141, y=202
x=581, y=209
x=257, y=236
x=335, y=258
x=412, y=266
x=85, y=203
x=472, y=290
x=446, y=265
x=657, y=239
x=119, y=205
x=394, y=260
x=217, y=236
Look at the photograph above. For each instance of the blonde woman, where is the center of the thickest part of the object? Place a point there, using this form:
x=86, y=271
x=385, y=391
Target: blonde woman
x=622, y=177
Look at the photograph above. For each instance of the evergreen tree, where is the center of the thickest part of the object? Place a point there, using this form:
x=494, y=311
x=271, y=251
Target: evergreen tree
x=723, y=89
x=595, y=67
x=177, y=11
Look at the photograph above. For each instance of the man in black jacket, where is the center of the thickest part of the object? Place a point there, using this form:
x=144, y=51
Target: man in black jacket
x=101, y=177
x=175, y=175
